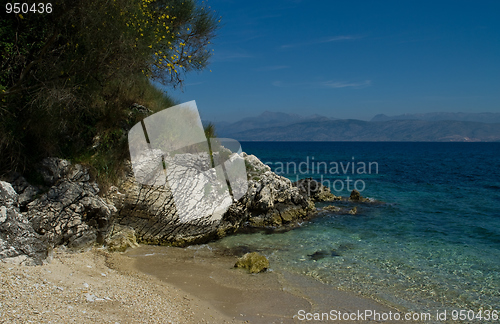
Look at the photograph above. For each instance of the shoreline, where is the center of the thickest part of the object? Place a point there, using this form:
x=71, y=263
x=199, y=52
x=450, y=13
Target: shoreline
x=268, y=297
x=95, y=287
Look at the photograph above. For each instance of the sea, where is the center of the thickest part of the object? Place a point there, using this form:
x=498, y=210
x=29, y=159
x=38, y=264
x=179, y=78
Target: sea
x=429, y=240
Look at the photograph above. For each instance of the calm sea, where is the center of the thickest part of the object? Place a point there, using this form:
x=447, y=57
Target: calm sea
x=433, y=244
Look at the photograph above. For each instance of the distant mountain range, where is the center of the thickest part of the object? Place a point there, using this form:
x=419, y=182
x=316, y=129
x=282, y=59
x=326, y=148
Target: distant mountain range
x=430, y=127
x=485, y=117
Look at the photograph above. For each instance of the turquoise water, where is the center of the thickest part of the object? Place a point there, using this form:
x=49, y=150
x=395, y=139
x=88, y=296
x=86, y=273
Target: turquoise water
x=433, y=244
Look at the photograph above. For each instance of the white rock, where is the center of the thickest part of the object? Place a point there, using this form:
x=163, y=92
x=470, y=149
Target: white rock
x=3, y=214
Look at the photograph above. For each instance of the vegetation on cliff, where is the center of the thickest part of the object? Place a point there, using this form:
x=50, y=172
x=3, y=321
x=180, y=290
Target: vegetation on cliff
x=68, y=78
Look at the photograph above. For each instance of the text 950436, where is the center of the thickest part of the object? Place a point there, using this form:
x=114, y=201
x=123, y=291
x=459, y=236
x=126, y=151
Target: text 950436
x=27, y=8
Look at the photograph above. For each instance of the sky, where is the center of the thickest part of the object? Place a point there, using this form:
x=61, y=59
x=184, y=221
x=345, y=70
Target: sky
x=349, y=59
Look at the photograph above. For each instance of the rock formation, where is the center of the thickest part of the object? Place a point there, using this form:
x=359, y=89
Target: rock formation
x=70, y=213
x=254, y=262
x=315, y=190
x=356, y=196
x=67, y=210
x=19, y=243
x=270, y=200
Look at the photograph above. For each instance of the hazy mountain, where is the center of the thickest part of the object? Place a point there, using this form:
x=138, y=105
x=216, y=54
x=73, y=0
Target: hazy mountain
x=432, y=127
x=435, y=116
x=265, y=120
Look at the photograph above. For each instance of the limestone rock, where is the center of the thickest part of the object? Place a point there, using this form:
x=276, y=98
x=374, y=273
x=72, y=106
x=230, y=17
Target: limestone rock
x=332, y=208
x=120, y=238
x=356, y=196
x=254, y=262
x=270, y=201
x=26, y=191
x=71, y=213
x=141, y=109
x=315, y=190
x=19, y=243
x=8, y=196
x=255, y=168
x=52, y=169
x=151, y=211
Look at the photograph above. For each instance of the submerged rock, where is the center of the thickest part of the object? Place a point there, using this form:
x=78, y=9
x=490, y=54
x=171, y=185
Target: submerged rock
x=318, y=255
x=332, y=208
x=254, y=262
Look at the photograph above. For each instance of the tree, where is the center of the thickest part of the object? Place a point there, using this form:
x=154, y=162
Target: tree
x=65, y=72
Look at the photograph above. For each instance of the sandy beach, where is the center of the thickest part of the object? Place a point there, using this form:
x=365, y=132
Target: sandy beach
x=95, y=287
x=154, y=284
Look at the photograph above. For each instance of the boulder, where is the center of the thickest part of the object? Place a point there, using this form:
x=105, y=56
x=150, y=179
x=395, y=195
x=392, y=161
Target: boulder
x=19, y=243
x=53, y=169
x=254, y=262
x=26, y=191
x=314, y=190
x=356, y=196
x=255, y=168
x=8, y=196
x=271, y=200
x=71, y=213
x=120, y=238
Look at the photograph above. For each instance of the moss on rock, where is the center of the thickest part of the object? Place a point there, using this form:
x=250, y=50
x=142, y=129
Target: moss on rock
x=254, y=262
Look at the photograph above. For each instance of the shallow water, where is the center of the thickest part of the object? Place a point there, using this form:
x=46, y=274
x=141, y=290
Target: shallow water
x=433, y=244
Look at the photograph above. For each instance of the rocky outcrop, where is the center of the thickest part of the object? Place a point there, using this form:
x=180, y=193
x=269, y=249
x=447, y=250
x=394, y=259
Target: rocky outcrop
x=70, y=213
x=314, y=190
x=19, y=243
x=356, y=196
x=270, y=201
x=150, y=210
x=254, y=262
x=67, y=210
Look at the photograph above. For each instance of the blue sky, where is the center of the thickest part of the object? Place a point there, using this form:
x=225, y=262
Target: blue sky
x=350, y=59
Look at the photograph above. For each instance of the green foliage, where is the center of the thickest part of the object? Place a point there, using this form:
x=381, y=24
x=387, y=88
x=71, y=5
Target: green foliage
x=210, y=131
x=71, y=75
